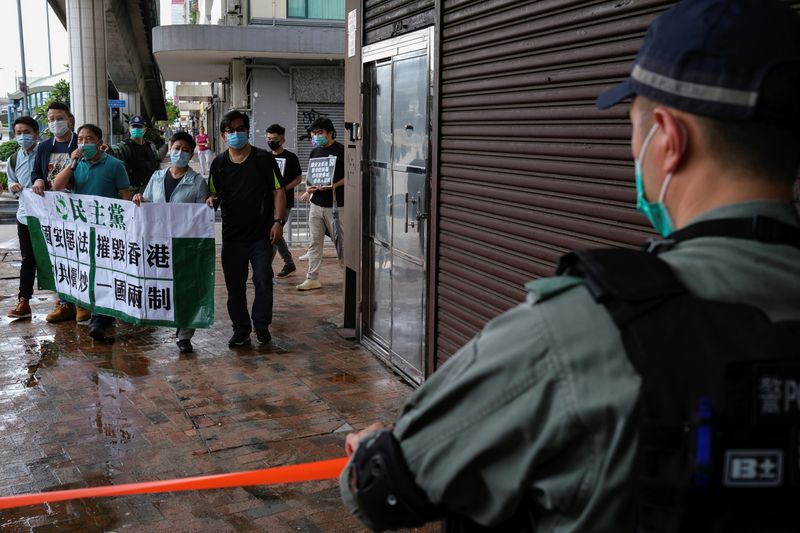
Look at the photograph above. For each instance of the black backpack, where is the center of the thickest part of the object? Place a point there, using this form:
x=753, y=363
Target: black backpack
x=719, y=408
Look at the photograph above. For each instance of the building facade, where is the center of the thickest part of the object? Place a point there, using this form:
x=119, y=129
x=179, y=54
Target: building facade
x=278, y=61
x=478, y=158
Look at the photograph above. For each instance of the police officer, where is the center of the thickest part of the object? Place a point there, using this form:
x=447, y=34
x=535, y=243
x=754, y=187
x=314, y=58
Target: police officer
x=140, y=156
x=654, y=390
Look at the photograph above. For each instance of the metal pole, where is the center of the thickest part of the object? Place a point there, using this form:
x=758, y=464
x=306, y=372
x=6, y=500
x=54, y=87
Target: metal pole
x=49, y=51
x=25, y=106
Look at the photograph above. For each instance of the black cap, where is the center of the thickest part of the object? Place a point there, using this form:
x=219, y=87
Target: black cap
x=710, y=57
x=138, y=120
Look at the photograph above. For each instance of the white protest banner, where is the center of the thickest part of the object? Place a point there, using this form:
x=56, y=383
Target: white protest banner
x=148, y=265
x=320, y=171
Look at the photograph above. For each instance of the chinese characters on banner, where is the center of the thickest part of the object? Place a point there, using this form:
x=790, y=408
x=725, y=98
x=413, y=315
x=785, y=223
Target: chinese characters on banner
x=152, y=264
x=320, y=171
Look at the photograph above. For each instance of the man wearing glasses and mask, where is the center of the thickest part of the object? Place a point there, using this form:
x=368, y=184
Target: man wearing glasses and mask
x=245, y=182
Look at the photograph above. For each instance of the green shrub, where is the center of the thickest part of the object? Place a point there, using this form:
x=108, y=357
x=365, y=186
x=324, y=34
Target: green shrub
x=7, y=149
x=4, y=181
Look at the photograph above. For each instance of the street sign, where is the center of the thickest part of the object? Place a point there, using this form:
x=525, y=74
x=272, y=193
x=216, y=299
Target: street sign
x=117, y=103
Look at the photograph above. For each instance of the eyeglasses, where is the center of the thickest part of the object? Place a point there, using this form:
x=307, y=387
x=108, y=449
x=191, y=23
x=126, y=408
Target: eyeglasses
x=240, y=129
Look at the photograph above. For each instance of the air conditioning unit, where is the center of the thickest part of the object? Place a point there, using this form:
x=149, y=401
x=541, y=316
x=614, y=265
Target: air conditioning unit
x=238, y=83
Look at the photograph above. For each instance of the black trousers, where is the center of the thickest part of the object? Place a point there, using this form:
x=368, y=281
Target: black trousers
x=27, y=272
x=236, y=257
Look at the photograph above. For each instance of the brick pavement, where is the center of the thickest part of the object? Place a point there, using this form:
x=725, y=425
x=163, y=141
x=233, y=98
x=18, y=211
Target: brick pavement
x=77, y=413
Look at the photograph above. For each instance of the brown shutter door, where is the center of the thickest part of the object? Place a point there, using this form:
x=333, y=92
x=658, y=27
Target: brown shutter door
x=384, y=19
x=529, y=168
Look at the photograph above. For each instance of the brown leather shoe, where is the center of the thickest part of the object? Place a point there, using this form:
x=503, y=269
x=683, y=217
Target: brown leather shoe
x=63, y=312
x=82, y=315
x=22, y=310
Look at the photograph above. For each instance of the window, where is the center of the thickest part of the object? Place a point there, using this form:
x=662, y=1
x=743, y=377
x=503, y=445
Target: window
x=315, y=9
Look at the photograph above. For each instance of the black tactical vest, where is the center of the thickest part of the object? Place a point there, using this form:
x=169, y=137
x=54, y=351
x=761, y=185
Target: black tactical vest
x=719, y=408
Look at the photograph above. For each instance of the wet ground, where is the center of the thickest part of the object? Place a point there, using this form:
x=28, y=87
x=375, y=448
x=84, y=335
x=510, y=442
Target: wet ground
x=79, y=413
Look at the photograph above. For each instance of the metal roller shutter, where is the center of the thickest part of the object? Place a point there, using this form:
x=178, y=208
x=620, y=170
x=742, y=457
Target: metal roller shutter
x=306, y=114
x=384, y=19
x=529, y=169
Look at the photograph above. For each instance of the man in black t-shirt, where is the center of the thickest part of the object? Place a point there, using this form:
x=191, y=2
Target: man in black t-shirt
x=321, y=193
x=291, y=176
x=244, y=181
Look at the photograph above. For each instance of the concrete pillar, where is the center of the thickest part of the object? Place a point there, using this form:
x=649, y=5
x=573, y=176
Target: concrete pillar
x=88, y=85
x=133, y=106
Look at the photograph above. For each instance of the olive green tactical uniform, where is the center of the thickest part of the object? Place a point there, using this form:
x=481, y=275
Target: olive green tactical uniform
x=537, y=407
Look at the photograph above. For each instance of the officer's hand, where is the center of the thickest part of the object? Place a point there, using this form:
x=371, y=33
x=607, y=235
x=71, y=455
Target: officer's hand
x=15, y=187
x=137, y=199
x=38, y=187
x=103, y=147
x=353, y=440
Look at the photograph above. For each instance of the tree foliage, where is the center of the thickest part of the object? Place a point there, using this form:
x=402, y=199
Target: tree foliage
x=172, y=111
x=60, y=93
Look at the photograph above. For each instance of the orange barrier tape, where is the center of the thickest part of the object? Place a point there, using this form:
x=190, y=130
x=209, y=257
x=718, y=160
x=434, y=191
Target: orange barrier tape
x=329, y=469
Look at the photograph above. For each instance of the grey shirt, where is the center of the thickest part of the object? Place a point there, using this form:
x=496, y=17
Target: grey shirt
x=537, y=408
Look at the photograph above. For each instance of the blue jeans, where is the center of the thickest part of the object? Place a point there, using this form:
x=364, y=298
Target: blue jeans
x=235, y=259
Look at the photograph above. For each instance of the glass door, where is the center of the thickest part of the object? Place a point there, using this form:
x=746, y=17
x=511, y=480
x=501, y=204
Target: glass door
x=398, y=132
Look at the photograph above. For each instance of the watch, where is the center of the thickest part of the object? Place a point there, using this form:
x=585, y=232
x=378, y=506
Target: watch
x=280, y=221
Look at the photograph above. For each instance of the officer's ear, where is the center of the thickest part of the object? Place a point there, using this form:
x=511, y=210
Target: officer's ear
x=674, y=138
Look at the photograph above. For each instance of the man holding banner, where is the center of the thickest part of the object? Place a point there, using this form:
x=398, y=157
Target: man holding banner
x=92, y=172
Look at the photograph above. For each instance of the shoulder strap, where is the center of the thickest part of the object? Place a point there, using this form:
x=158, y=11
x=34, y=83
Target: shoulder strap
x=627, y=282
x=12, y=161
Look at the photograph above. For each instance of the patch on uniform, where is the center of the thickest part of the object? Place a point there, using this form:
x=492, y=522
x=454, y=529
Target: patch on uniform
x=778, y=392
x=544, y=288
x=753, y=468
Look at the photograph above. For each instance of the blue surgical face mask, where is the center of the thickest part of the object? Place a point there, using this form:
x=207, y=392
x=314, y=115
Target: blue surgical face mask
x=656, y=212
x=89, y=150
x=179, y=158
x=322, y=140
x=26, y=140
x=236, y=140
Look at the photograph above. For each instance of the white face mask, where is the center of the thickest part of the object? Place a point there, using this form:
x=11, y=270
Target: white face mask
x=58, y=127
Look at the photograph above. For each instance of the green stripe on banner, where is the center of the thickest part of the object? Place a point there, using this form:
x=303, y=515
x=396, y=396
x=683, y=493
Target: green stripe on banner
x=193, y=265
x=44, y=268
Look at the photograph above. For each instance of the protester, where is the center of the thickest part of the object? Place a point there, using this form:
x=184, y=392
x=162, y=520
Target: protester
x=51, y=156
x=244, y=182
x=320, y=218
x=177, y=184
x=140, y=156
x=204, y=153
x=18, y=168
x=641, y=390
x=97, y=174
x=291, y=176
